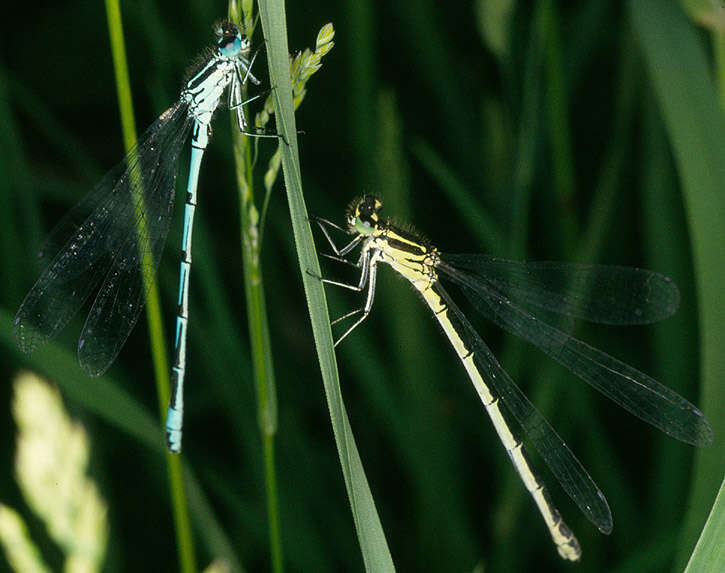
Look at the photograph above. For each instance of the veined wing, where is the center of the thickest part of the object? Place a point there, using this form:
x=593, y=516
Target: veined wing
x=636, y=392
x=605, y=294
x=116, y=235
x=572, y=476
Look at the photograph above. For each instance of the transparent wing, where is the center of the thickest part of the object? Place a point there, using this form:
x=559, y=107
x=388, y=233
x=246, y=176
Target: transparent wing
x=572, y=476
x=117, y=233
x=605, y=294
x=636, y=392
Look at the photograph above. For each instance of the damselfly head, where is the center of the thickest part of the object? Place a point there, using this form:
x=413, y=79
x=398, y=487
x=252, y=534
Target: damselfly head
x=231, y=42
x=362, y=216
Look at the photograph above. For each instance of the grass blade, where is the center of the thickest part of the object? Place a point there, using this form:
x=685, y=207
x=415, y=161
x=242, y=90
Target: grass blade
x=680, y=72
x=185, y=544
x=709, y=554
x=367, y=522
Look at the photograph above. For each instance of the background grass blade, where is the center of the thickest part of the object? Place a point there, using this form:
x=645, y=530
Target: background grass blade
x=709, y=554
x=184, y=540
x=695, y=123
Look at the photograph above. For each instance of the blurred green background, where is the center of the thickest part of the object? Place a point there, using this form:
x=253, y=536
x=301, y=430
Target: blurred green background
x=585, y=130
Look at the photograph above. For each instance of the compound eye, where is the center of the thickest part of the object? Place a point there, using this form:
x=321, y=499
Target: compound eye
x=230, y=45
x=363, y=226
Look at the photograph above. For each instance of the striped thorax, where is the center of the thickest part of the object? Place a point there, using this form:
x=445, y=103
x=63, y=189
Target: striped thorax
x=403, y=250
x=228, y=65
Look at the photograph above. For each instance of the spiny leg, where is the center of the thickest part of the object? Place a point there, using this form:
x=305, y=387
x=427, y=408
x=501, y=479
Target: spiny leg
x=340, y=252
x=367, y=276
x=237, y=104
x=365, y=310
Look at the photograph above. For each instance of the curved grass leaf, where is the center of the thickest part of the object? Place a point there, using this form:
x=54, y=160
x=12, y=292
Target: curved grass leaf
x=681, y=76
x=367, y=522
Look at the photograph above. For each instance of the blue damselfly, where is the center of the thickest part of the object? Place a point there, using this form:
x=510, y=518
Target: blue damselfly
x=117, y=233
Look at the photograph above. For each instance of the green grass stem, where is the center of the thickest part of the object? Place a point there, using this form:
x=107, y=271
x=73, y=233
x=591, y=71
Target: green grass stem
x=184, y=539
x=257, y=323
